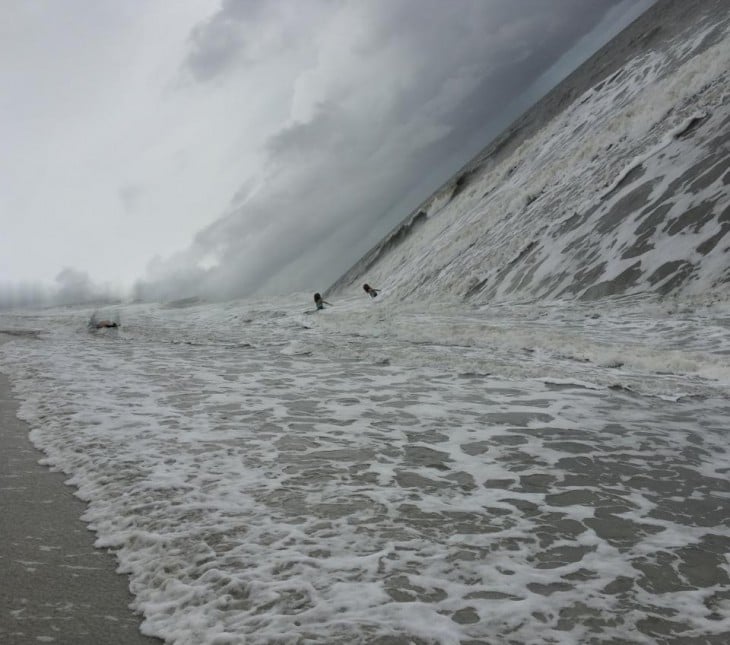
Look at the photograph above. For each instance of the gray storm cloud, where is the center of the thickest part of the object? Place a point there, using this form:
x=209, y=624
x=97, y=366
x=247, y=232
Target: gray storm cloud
x=396, y=97
x=321, y=124
x=248, y=31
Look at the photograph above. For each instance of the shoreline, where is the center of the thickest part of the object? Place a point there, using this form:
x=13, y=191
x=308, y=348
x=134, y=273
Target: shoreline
x=58, y=587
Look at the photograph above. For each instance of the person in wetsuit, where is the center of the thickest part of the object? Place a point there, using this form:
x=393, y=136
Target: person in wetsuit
x=319, y=301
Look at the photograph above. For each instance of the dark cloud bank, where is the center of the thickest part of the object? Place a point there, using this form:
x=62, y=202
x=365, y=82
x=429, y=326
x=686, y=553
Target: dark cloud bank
x=339, y=180
x=431, y=83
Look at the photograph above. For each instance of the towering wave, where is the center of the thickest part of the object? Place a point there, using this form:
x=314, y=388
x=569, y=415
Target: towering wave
x=616, y=182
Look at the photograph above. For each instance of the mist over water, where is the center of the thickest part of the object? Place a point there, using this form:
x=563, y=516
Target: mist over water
x=521, y=439
x=71, y=287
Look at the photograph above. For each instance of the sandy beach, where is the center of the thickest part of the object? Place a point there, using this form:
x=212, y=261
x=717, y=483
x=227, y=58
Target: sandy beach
x=57, y=588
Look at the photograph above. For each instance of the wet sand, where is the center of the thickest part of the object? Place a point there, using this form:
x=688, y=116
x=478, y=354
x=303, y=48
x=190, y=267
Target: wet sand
x=56, y=587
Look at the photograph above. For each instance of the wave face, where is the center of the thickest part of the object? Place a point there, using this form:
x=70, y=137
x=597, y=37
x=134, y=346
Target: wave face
x=616, y=183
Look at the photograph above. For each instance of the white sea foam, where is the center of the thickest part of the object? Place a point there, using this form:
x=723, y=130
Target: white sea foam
x=530, y=468
x=432, y=474
x=508, y=231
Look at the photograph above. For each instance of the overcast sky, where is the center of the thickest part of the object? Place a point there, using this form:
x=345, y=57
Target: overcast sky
x=222, y=148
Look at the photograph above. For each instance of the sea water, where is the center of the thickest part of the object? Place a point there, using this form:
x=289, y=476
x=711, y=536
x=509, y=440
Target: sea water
x=490, y=451
x=388, y=472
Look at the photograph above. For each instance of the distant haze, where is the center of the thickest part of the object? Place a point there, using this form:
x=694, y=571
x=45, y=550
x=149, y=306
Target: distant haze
x=170, y=149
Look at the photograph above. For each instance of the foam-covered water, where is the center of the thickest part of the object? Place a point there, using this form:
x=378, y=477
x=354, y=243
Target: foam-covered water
x=522, y=439
x=615, y=184
x=386, y=473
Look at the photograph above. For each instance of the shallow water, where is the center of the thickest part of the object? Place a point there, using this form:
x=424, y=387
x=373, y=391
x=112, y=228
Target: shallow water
x=388, y=473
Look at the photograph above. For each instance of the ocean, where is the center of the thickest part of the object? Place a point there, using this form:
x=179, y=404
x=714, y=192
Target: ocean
x=382, y=472
x=522, y=439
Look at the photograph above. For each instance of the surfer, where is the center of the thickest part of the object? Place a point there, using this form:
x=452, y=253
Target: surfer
x=319, y=301
x=369, y=290
x=102, y=324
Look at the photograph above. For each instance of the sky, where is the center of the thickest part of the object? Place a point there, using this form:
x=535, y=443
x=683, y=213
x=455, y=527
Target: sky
x=220, y=149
